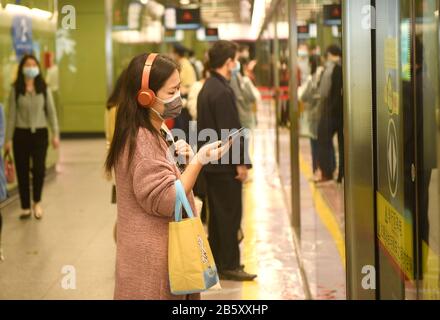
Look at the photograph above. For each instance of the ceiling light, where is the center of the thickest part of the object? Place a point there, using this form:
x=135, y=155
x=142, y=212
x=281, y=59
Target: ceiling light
x=43, y=14
x=15, y=8
x=258, y=16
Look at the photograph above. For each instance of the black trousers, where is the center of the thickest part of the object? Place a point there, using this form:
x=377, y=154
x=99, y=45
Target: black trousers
x=340, y=133
x=225, y=212
x=30, y=146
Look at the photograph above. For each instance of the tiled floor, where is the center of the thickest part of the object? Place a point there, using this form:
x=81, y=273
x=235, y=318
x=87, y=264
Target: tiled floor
x=75, y=231
x=74, y=240
x=322, y=225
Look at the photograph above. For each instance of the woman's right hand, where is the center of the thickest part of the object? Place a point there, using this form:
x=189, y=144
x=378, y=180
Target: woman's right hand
x=212, y=152
x=8, y=147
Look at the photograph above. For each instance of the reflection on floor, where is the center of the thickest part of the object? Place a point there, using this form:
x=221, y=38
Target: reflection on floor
x=73, y=240
x=322, y=226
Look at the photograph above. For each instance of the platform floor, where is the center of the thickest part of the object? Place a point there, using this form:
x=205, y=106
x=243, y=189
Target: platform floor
x=73, y=243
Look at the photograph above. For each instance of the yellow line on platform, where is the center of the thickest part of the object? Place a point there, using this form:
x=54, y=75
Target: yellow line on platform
x=324, y=212
x=250, y=290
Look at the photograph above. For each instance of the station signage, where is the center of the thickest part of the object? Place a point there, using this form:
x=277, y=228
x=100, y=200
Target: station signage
x=332, y=15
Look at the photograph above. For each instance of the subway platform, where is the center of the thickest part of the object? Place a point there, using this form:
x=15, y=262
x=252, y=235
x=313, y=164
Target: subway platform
x=75, y=237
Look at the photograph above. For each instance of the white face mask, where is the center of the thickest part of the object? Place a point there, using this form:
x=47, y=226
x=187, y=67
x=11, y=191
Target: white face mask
x=31, y=72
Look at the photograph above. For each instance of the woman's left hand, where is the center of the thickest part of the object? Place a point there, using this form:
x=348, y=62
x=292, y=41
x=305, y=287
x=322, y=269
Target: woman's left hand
x=185, y=150
x=56, y=142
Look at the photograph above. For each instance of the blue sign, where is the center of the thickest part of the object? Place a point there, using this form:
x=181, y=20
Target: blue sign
x=22, y=35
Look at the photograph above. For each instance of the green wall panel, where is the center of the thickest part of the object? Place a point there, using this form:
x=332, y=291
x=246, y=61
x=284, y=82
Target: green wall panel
x=83, y=89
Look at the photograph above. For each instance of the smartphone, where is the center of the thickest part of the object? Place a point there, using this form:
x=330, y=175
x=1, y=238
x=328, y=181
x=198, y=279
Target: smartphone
x=234, y=135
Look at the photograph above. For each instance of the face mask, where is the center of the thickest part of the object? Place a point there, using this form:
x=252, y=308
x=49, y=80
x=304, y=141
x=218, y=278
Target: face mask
x=303, y=54
x=31, y=72
x=237, y=68
x=173, y=107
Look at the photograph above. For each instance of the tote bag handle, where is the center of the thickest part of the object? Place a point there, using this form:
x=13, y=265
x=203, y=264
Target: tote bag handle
x=181, y=199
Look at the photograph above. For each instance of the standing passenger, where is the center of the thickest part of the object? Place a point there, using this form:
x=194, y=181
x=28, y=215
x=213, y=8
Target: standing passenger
x=31, y=110
x=188, y=77
x=330, y=100
x=217, y=109
x=310, y=95
x=145, y=173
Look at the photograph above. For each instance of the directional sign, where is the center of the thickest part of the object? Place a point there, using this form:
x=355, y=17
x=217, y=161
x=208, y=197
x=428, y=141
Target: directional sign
x=392, y=158
x=22, y=35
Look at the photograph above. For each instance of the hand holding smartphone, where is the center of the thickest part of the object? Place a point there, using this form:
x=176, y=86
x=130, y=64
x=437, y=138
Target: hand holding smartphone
x=231, y=138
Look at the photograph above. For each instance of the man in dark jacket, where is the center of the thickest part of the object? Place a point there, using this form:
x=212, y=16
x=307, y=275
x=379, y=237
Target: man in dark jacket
x=331, y=121
x=217, y=110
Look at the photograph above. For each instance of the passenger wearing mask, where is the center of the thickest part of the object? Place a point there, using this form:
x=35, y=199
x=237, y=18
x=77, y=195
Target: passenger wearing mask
x=197, y=65
x=331, y=114
x=309, y=94
x=195, y=90
x=31, y=110
x=188, y=77
x=217, y=109
x=200, y=186
x=142, y=157
x=244, y=93
x=303, y=62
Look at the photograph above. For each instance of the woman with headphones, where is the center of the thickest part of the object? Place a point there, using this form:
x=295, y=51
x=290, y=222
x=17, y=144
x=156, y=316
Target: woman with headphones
x=145, y=175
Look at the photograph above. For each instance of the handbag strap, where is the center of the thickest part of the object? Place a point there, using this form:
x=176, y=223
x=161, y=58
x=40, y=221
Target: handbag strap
x=7, y=156
x=181, y=199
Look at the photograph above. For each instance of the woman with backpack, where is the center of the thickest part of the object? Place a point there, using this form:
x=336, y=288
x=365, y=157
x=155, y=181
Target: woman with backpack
x=309, y=93
x=31, y=111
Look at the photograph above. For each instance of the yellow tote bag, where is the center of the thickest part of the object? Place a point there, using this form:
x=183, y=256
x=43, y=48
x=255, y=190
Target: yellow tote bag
x=191, y=265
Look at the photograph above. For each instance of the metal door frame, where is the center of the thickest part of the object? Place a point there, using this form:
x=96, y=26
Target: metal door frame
x=359, y=110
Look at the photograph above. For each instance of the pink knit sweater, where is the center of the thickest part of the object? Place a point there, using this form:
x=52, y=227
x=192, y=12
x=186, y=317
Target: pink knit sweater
x=146, y=198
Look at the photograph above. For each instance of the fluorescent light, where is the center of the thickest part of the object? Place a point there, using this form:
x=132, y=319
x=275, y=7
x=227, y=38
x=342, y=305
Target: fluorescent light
x=15, y=8
x=144, y=1
x=43, y=14
x=258, y=16
x=185, y=2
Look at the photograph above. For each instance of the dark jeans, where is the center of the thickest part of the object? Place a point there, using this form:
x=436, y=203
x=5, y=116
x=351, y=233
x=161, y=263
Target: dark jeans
x=225, y=212
x=30, y=146
x=326, y=149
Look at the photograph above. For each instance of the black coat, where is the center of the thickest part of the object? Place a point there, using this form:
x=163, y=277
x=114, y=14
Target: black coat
x=217, y=109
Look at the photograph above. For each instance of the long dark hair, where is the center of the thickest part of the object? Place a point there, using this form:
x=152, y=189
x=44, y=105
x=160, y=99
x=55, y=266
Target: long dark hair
x=130, y=115
x=115, y=97
x=315, y=62
x=20, y=85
